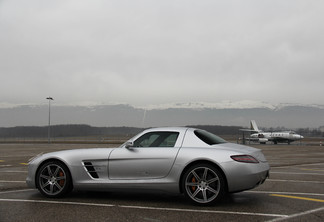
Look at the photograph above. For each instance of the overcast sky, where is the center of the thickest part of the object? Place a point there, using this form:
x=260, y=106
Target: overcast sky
x=146, y=52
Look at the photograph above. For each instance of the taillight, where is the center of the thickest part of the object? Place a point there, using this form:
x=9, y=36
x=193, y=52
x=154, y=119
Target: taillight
x=244, y=159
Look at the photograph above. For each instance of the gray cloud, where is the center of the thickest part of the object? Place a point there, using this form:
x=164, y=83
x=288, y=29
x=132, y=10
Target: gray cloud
x=151, y=52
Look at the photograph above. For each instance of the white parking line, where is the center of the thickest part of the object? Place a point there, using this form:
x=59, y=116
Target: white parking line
x=10, y=181
x=205, y=211
x=57, y=202
x=318, y=174
x=288, y=193
x=15, y=191
x=295, y=181
x=298, y=214
x=298, y=165
x=145, y=208
x=9, y=156
x=278, y=217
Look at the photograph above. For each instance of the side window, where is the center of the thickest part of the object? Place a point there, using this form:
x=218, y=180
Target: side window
x=157, y=139
x=208, y=137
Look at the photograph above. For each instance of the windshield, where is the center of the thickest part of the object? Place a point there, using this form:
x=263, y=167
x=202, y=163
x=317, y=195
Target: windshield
x=209, y=138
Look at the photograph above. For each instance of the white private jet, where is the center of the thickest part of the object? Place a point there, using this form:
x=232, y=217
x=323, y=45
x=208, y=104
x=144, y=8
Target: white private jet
x=275, y=137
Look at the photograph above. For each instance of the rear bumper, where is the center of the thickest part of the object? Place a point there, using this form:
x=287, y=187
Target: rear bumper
x=245, y=176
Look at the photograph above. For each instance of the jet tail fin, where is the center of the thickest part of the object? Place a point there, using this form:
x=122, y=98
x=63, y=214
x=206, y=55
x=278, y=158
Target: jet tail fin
x=254, y=126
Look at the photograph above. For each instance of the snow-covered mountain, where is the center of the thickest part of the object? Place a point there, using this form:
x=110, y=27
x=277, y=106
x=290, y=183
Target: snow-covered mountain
x=245, y=104
x=178, y=114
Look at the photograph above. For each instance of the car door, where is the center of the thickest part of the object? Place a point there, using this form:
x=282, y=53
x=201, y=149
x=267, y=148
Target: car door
x=151, y=156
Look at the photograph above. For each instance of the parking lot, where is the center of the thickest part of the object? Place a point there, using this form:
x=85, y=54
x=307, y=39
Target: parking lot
x=294, y=192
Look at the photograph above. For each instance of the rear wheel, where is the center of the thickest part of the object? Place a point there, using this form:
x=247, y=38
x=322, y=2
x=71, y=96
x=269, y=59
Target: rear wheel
x=54, y=179
x=203, y=184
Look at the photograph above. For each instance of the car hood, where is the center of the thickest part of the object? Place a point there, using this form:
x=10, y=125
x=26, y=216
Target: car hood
x=85, y=151
x=77, y=154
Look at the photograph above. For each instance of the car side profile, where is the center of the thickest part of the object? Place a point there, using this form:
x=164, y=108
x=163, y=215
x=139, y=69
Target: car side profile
x=191, y=161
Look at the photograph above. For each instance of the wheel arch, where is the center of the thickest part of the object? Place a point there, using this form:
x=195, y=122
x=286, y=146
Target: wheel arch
x=197, y=162
x=50, y=160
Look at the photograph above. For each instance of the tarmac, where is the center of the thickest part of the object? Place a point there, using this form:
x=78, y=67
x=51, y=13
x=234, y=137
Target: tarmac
x=294, y=192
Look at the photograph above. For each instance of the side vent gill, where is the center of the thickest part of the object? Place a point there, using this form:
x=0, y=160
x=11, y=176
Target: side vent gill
x=91, y=170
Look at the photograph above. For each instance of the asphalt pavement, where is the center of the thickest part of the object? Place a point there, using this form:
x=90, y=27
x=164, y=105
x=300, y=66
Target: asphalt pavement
x=294, y=192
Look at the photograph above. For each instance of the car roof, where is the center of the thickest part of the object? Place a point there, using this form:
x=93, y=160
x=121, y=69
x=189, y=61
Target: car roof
x=178, y=128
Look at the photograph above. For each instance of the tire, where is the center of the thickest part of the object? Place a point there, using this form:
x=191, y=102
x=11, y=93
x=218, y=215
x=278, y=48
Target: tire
x=53, y=179
x=203, y=184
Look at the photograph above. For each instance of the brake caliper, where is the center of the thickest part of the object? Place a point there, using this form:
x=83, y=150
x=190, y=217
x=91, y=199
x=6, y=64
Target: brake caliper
x=193, y=188
x=61, y=174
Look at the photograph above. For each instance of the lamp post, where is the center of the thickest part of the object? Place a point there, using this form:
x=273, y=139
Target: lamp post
x=49, y=118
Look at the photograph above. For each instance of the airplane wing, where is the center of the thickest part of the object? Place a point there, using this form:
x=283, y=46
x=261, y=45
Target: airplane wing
x=248, y=130
x=259, y=140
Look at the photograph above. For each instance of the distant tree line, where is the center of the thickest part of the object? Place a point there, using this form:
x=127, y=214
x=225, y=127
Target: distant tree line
x=87, y=130
x=65, y=131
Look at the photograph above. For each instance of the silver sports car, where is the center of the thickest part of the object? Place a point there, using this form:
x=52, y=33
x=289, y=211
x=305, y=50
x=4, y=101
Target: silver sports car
x=174, y=159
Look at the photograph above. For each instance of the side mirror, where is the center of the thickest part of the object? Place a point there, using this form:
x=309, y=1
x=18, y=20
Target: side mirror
x=129, y=144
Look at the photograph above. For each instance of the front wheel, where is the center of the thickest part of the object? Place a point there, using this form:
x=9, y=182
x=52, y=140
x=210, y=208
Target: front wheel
x=203, y=184
x=53, y=179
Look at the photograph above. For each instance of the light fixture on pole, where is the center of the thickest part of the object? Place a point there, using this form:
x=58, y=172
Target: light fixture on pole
x=49, y=118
